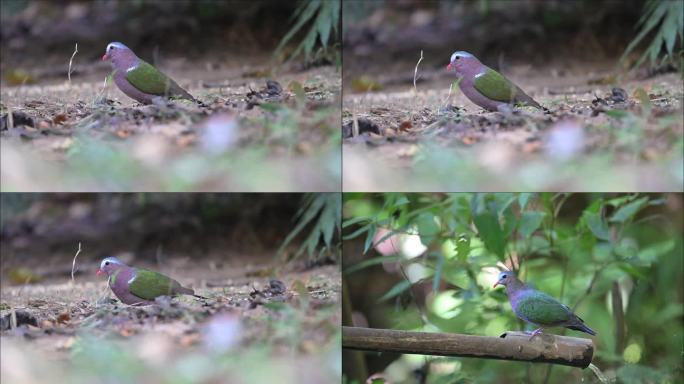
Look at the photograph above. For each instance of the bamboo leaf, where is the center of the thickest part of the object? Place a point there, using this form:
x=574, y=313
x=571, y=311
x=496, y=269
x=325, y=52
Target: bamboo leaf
x=396, y=290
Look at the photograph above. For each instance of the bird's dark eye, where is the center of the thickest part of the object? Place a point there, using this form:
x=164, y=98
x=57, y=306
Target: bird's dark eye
x=106, y=262
x=458, y=57
x=504, y=276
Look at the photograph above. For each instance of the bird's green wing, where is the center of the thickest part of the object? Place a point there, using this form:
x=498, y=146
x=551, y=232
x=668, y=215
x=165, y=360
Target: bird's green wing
x=495, y=86
x=542, y=309
x=150, y=80
x=150, y=284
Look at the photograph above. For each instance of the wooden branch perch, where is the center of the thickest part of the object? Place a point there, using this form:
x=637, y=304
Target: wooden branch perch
x=552, y=349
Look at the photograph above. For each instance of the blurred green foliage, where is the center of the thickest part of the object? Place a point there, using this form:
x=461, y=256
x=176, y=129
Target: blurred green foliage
x=666, y=18
x=580, y=248
x=324, y=18
x=322, y=213
x=13, y=203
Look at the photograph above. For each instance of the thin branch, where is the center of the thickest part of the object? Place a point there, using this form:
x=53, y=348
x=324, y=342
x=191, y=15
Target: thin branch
x=563, y=350
x=451, y=87
x=590, y=287
x=619, y=318
x=73, y=264
x=423, y=316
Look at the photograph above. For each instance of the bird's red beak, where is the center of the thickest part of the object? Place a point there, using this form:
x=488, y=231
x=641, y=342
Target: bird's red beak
x=495, y=284
x=105, y=57
x=449, y=66
x=99, y=272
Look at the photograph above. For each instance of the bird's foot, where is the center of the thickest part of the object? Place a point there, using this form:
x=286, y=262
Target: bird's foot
x=536, y=332
x=505, y=109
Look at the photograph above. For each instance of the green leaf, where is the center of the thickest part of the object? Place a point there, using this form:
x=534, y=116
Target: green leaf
x=353, y=221
x=638, y=272
x=597, y=225
x=645, y=101
x=304, y=14
x=463, y=247
x=402, y=200
x=427, y=228
x=398, y=289
x=523, y=198
x=438, y=272
x=653, y=252
x=370, y=262
x=620, y=201
x=271, y=107
x=628, y=211
x=670, y=30
x=369, y=238
x=530, y=222
x=489, y=230
x=652, y=22
x=357, y=232
x=617, y=113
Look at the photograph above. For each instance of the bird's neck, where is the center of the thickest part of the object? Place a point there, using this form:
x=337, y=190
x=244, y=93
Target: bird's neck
x=514, y=288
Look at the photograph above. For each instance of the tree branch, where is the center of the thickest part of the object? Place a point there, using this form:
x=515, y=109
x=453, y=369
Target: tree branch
x=570, y=351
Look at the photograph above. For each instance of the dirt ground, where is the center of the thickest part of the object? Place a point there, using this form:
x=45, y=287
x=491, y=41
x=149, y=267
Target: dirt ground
x=591, y=140
x=263, y=127
x=259, y=304
x=407, y=127
x=245, y=318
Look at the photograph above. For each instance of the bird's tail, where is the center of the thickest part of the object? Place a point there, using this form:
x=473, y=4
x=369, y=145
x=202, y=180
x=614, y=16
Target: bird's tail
x=189, y=291
x=582, y=328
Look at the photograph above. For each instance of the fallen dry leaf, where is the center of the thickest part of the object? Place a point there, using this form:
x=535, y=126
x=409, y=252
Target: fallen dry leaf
x=63, y=317
x=469, y=140
x=59, y=119
x=405, y=125
x=190, y=339
x=304, y=148
x=532, y=147
x=123, y=133
x=63, y=145
x=67, y=344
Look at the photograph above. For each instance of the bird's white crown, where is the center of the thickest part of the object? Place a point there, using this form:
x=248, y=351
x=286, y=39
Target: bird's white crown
x=460, y=54
x=115, y=44
x=110, y=260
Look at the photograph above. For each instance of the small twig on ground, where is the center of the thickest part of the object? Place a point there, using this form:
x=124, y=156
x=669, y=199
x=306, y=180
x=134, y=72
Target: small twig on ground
x=70, y=61
x=10, y=118
x=104, y=88
x=73, y=264
x=159, y=257
x=355, y=126
x=415, y=88
x=444, y=104
x=415, y=71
